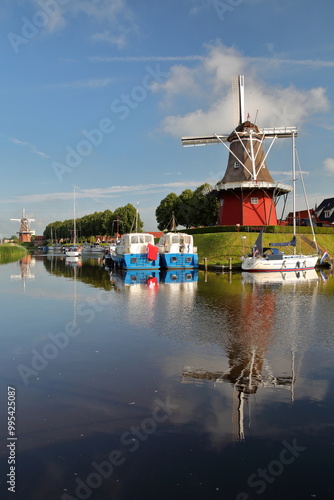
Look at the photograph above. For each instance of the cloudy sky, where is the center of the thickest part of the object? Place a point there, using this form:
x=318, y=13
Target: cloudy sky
x=97, y=94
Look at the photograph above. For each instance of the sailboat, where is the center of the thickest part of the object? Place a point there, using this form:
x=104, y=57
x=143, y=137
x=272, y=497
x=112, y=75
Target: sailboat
x=74, y=250
x=271, y=259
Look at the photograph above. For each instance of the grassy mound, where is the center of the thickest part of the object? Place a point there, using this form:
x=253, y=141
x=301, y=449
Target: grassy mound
x=11, y=253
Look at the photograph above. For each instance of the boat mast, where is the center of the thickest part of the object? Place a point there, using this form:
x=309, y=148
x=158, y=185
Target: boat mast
x=294, y=182
x=74, y=220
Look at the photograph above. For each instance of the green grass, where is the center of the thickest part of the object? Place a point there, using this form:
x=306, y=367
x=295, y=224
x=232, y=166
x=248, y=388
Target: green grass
x=218, y=248
x=10, y=253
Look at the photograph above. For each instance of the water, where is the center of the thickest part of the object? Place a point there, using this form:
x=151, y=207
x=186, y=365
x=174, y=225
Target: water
x=213, y=388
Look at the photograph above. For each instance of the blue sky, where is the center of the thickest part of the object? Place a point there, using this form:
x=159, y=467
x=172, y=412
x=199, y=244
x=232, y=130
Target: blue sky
x=97, y=94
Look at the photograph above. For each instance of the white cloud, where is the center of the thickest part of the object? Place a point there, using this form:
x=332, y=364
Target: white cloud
x=32, y=148
x=329, y=165
x=116, y=13
x=91, y=83
x=118, y=40
x=212, y=113
x=102, y=193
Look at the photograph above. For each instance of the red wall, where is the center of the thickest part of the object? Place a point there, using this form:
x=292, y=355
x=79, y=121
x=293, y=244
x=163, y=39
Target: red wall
x=238, y=209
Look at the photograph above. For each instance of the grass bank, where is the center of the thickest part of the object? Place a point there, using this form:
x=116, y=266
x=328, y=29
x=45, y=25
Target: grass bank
x=11, y=253
x=218, y=248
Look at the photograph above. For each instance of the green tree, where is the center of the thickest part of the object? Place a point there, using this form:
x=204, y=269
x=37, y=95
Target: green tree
x=184, y=212
x=165, y=211
x=130, y=218
x=205, y=206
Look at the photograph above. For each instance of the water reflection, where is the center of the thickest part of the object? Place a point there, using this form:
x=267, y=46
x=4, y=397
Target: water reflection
x=247, y=364
x=25, y=265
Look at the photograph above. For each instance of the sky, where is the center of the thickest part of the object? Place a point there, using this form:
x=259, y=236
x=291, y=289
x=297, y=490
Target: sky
x=96, y=95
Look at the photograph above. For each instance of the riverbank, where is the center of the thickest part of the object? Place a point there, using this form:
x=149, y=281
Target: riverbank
x=10, y=253
x=226, y=249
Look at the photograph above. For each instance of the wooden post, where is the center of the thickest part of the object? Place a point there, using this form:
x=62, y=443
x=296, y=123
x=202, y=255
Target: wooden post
x=205, y=264
x=230, y=263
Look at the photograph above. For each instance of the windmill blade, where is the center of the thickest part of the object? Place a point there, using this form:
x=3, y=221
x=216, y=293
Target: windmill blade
x=238, y=96
x=203, y=140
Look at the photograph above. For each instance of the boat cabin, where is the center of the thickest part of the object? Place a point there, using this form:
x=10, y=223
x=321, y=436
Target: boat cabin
x=134, y=243
x=176, y=243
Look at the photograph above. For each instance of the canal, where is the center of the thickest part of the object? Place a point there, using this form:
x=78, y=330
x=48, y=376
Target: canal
x=170, y=386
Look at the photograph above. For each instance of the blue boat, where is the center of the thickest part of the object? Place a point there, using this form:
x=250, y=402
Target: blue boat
x=177, y=250
x=136, y=251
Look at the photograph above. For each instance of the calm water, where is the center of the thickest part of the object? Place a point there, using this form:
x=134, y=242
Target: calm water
x=216, y=387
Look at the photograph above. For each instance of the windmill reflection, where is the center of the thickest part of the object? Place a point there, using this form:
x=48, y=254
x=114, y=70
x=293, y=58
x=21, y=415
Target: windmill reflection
x=250, y=333
x=25, y=264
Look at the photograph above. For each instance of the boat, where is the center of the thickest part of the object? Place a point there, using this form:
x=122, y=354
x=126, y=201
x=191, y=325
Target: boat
x=97, y=248
x=136, y=251
x=272, y=259
x=176, y=250
x=74, y=250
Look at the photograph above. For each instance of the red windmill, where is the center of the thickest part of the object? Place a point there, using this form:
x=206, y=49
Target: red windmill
x=248, y=194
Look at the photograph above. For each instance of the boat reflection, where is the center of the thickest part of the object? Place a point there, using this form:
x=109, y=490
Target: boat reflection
x=281, y=278
x=179, y=276
x=142, y=278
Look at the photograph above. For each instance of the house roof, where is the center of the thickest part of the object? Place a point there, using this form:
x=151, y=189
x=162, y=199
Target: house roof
x=325, y=211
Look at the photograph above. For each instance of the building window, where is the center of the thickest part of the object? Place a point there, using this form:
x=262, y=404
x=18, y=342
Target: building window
x=254, y=201
x=327, y=214
x=236, y=164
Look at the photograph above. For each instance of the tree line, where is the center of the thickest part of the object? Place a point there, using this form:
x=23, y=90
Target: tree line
x=190, y=209
x=107, y=223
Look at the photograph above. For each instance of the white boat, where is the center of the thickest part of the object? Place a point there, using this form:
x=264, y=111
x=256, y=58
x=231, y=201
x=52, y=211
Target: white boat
x=176, y=250
x=272, y=259
x=136, y=251
x=73, y=251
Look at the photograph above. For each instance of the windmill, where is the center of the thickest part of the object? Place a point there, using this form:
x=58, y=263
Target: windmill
x=248, y=194
x=25, y=232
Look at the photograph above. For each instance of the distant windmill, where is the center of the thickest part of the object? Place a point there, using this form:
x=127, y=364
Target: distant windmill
x=25, y=231
x=248, y=194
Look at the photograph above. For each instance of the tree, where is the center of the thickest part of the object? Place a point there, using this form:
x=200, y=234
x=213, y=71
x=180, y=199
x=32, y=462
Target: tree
x=165, y=210
x=184, y=212
x=205, y=206
x=198, y=208
x=130, y=218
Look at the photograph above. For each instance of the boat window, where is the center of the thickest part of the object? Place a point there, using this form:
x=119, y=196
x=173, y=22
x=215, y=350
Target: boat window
x=134, y=238
x=148, y=238
x=175, y=238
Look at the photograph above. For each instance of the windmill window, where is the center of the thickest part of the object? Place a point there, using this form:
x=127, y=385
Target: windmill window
x=327, y=214
x=236, y=164
x=254, y=201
